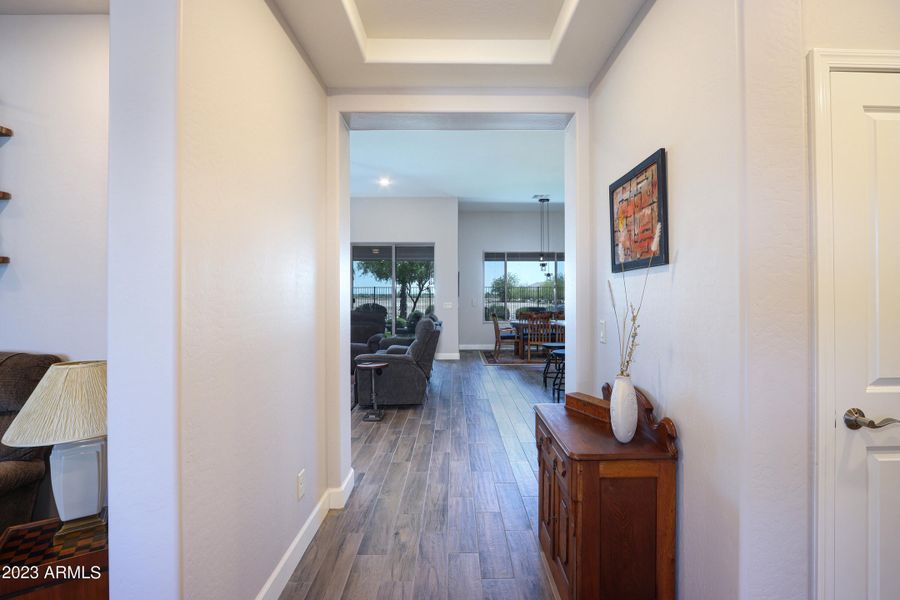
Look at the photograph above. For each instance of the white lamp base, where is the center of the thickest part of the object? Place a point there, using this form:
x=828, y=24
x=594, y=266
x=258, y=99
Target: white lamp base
x=78, y=474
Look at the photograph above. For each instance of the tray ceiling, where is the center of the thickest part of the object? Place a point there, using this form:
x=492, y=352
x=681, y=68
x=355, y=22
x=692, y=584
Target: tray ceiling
x=391, y=44
x=459, y=19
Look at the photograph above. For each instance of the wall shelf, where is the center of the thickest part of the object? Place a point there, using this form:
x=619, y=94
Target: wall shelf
x=5, y=132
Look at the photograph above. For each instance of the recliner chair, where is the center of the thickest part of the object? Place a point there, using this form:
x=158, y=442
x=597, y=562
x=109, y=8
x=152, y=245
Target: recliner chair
x=405, y=380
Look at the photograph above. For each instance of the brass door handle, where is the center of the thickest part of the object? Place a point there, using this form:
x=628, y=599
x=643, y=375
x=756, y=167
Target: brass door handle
x=855, y=418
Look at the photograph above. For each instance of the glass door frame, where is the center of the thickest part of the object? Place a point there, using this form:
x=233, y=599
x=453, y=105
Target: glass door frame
x=393, y=245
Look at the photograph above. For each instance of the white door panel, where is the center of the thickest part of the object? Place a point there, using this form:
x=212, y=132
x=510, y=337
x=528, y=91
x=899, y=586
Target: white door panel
x=866, y=212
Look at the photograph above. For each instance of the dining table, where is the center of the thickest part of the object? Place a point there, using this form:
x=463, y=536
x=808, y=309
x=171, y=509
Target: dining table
x=519, y=326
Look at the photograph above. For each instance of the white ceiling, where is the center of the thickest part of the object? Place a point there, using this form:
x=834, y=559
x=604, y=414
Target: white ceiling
x=403, y=44
x=54, y=7
x=486, y=170
x=459, y=19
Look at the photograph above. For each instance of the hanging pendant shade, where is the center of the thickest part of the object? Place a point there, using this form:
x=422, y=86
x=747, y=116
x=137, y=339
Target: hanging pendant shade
x=544, y=216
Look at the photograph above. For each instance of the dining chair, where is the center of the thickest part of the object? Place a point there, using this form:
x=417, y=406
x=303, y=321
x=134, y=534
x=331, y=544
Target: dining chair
x=538, y=331
x=502, y=336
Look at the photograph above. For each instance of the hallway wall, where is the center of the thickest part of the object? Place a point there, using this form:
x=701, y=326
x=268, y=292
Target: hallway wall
x=252, y=145
x=688, y=359
x=216, y=389
x=54, y=96
x=864, y=24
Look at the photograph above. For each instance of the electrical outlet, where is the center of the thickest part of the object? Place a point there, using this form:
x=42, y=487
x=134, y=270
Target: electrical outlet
x=300, y=477
x=602, y=332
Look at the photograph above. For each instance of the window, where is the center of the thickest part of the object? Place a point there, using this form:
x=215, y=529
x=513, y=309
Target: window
x=514, y=281
x=399, y=278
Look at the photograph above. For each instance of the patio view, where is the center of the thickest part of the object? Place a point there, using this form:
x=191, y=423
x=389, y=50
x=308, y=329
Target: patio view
x=517, y=282
x=403, y=288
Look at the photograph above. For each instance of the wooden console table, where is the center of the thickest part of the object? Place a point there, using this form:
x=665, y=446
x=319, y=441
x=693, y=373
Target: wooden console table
x=606, y=516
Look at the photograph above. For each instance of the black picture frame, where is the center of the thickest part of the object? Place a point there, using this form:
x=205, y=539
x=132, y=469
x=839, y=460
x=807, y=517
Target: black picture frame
x=661, y=257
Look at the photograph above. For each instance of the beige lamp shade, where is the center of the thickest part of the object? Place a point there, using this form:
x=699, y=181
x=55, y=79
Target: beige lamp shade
x=68, y=405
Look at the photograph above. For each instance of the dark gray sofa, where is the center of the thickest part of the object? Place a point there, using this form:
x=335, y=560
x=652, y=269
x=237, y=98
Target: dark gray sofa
x=405, y=380
x=21, y=469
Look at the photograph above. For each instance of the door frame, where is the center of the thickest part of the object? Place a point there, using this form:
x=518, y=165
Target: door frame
x=821, y=64
x=336, y=236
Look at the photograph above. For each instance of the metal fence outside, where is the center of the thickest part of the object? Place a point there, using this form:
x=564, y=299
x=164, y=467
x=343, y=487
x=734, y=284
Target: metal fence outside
x=383, y=295
x=521, y=297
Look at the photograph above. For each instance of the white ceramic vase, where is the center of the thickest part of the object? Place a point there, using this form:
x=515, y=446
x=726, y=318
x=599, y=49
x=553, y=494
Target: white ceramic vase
x=623, y=409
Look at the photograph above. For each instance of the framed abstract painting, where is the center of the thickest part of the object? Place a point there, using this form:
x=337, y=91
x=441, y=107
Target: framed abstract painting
x=637, y=204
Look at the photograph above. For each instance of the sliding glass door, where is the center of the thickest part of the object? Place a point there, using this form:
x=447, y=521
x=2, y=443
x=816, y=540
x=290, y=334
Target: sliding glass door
x=396, y=277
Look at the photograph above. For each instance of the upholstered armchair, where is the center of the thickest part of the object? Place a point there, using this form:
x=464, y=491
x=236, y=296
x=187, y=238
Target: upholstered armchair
x=405, y=340
x=366, y=323
x=406, y=378
x=21, y=469
x=371, y=346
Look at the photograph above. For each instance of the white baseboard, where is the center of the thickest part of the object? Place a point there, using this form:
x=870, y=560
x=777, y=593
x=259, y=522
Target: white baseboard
x=476, y=346
x=332, y=498
x=447, y=356
x=338, y=496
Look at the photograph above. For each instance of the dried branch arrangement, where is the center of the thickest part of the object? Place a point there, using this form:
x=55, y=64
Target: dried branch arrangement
x=627, y=327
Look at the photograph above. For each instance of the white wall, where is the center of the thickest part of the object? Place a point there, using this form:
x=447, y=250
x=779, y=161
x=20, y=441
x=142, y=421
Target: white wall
x=252, y=150
x=865, y=24
x=54, y=96
x=216, y=395
x=142, y=394
x=418, y=221
x=689, y=358
x=485, y=231
x=726, y=342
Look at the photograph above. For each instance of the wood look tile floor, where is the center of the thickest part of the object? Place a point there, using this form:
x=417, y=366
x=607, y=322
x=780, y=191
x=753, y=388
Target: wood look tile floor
x=445, y=502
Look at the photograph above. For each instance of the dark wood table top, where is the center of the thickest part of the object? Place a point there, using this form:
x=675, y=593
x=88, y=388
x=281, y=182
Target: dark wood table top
x=585, y=438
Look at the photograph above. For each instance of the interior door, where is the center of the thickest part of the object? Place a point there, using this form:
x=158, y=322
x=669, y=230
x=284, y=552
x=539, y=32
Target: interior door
x=866, y=204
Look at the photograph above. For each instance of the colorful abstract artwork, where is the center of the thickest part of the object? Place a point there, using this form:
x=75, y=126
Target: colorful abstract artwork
x=637, y=204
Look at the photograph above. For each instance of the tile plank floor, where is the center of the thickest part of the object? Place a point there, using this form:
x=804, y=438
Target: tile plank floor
x=445, y=502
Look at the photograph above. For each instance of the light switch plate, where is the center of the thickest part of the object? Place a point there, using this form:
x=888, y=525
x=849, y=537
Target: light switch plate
x=448, y=305
x=602, y=332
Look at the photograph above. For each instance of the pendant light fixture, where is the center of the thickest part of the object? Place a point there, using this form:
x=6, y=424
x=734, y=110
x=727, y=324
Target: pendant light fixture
x=544, y=214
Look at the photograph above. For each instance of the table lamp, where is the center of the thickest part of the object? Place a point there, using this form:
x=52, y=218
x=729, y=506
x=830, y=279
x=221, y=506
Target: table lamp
x=68, y=410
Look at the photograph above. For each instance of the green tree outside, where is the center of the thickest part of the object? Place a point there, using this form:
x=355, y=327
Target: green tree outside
x=414, y=278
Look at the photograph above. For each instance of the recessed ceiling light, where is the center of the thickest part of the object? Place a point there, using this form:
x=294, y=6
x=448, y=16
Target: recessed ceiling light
x=384, y=182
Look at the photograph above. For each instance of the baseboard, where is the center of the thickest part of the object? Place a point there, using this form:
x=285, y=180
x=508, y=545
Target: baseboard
x=476, y=346
x=338, y=496
x=332, y=498
x=447, y=356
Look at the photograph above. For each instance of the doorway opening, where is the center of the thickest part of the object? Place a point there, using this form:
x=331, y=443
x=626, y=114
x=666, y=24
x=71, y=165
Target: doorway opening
x=459, y=221
x=395, y=225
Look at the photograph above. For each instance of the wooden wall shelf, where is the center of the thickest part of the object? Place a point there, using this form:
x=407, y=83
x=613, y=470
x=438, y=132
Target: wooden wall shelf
x=5, y=132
